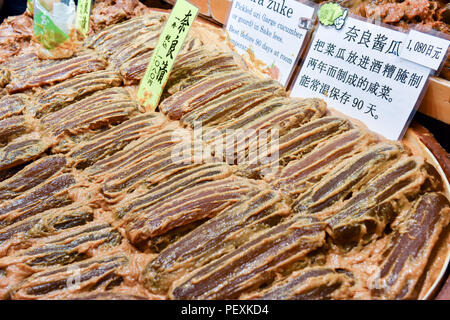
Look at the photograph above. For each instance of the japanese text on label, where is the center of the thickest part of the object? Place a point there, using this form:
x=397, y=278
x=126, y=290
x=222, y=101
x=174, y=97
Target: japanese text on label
x=169, y=44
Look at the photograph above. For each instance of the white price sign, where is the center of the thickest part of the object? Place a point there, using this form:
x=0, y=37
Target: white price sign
x=358, y=71
x=425, y=49
x=272, y=31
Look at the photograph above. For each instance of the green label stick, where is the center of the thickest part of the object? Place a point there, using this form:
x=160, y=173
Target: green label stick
x=83, y=14
x=169, y=44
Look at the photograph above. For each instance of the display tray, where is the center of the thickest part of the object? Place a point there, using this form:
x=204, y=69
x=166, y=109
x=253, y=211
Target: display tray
x=439, y=265
x=437, y=104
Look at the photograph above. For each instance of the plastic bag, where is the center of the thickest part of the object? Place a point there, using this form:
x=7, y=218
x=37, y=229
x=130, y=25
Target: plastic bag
x=54, y=28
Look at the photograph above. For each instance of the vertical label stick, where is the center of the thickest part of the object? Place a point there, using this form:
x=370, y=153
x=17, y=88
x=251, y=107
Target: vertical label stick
x=83, y=14
x=169, y=44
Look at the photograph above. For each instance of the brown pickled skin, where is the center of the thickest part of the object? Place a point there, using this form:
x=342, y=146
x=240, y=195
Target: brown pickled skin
x=133, y=69
x=8, y=173
x=301, y=175
x=22, y=150
x=19, y=66
x=54, y=193
x=73, y=245
x=142, y=44
x=204, y=201
x=32, y=175
x=61, y=219
x=94, y=275
x=276, y=112
x=47, y=223
x=13, y=105
x=349, y=177
x=196, y=65
x=262, y=123
x=223, y=115
x=233, y=103
x=14, y=127
x=285, y=119
x=113, y=32
x=81, y=120
x=254, y=264
x=105, y=107
x=134, y=55
x=113, y=39
x=177, y=183
x=295, y=144
x=132, y=154
x=21, y=62
x=300, y=140
x=368, y=212
x=316, y=283
x=41, y=73
x=410, y=249
x=132, y=59
x=214, y=238
x=58, y=96
x=115, y=139
x=293, y=114
x=246, y=124
x=148, y=162
x=202, y=92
